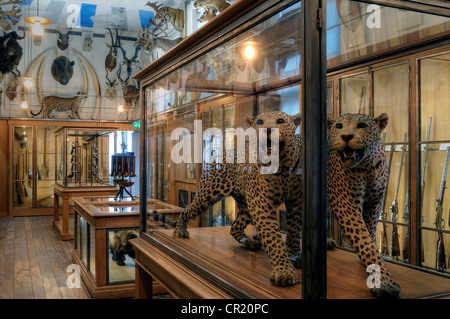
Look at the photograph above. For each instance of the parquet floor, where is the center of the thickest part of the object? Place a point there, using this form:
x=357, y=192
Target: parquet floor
x=33, y=260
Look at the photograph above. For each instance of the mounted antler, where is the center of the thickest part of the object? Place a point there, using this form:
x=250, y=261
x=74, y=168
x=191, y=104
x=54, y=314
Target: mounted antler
x=129, y=62
x=13, y=14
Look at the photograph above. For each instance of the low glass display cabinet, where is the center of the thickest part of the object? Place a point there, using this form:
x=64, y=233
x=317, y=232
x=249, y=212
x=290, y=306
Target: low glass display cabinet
x=103, y=227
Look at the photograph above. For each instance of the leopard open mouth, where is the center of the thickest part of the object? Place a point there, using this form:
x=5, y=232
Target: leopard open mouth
x=349, y=153
x=269, y=146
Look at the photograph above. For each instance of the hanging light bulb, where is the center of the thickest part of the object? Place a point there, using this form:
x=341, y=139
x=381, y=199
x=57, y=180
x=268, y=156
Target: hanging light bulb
x=249, y=51
x=120, y=108
x=27, y=82
x=37, y=28
x=37, y=22
x=24, y=104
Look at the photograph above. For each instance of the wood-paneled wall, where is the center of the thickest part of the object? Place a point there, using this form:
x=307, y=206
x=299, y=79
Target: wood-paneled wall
x=4, y=168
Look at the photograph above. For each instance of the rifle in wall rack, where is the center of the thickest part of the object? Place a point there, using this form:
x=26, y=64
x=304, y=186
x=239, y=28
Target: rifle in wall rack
x=439, y=222
x=395, y=245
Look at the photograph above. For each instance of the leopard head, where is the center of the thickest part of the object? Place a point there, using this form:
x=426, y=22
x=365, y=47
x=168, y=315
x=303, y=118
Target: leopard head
x=286, y=125
x=355, y=136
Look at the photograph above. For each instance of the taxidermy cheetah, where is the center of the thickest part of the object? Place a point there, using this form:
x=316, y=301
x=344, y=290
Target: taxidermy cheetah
x=357, y=179
x=258, y=195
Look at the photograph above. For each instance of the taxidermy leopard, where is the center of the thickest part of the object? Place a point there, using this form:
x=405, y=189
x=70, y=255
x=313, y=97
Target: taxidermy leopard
x=61, y=104
x=258, y=195
x=357, y=179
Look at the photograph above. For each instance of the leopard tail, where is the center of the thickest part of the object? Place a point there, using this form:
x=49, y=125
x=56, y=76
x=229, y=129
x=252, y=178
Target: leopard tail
x=40, y=111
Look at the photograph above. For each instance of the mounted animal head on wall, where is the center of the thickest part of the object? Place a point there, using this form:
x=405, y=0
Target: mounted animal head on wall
x=11, y=91
x=63, y=40
x=37, y=40
x=129, y=90
x=110, y=61
x=10, y=52
x=10, y=16
x=110, y=93
x=87, y=44
x=62, y=69
x=166, y=15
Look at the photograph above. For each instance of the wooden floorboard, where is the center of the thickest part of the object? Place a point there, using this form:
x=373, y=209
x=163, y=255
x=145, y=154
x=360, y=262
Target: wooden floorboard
x=33, y=260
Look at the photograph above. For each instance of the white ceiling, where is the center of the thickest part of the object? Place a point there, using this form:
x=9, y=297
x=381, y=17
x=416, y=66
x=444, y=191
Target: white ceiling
x=96, y=13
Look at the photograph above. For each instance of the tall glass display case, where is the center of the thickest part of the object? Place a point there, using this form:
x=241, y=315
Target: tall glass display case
x=201, y=92
x=82, y=158
x=81, y=168
x=204, y=101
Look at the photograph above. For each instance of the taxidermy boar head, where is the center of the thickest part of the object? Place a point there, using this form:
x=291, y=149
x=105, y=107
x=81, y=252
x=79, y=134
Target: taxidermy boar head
x=10, y=52
x=62, y=70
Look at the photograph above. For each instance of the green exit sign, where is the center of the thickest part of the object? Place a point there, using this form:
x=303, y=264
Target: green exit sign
x=137, y=124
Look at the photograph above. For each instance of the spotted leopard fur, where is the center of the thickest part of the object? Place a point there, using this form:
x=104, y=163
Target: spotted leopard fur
x=258, y=195
x=60, y=104
x=357, y=179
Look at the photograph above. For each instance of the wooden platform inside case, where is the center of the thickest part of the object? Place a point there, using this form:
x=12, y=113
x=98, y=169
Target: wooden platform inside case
x=211, y=264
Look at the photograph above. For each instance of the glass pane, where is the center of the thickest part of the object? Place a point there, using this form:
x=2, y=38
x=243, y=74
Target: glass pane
x=330, y=100
x=45, y=148
x=356, y=30
x=86, y=154
x=92, y=252
x=23, y=167
x=354, y=94
x=196, y=114
x=78, y=233
x=434, y=122
x=391, y=95
x=83, y=240
x=121, y=255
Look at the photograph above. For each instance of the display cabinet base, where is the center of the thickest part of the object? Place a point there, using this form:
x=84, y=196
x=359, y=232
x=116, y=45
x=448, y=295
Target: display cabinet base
x=66, y=194
x=58, y=224
x=211, y=264
x=120, y=291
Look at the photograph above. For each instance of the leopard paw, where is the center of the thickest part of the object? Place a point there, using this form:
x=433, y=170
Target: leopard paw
x=388, y=289
x=283, y=277
x=180, y=231
x=251, y=243
x=331, y=243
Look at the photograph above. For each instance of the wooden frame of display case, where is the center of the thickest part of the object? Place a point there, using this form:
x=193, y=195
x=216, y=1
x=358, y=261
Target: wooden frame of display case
x=101, y=222
x=408, y=53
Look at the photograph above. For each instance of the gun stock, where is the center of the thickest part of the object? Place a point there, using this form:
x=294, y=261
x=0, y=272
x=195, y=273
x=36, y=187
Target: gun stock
x=395, y=245
x=23, y=176
x=424, y=165
x=384, y=239
x=439, y=222
x=19, y=197
x=440, y=253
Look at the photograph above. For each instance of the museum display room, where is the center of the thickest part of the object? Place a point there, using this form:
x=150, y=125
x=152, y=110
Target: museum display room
x=224, y=149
